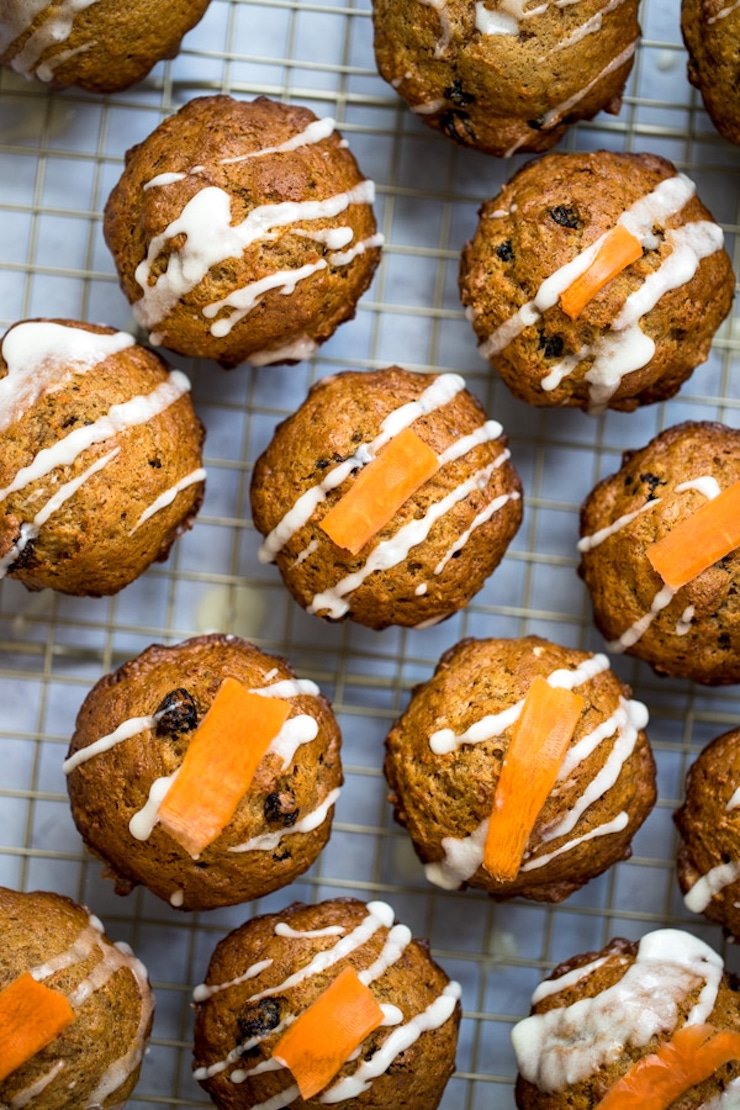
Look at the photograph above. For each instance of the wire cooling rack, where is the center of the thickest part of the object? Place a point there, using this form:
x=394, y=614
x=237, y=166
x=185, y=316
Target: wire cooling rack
x=59, y=156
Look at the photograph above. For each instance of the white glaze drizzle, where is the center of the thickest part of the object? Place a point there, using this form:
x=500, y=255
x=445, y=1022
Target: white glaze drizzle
x=389, y=553
x=177, y=898
x=429, y=107
x=282, y=929
x=128, y=414
x=505, y=19
x=616, y=825
x=295, y=351
x=315, y=132
x=204, y=991
x=445, y=27
x=397, y=940
x=730, y=1097
x=54, y=30
x=266, y=842
x=439, y=393
x=33, y=1090
x=724, y=12
x=143, y=821
x=46, y=71
x=588, y=543
x=482, y=518
x=244, y=299
x=683, y=624
x=332, y=237
x=734, y=802
x=548, y=987
x=705, y=484
x=710, y=885
x=307, y=552
x=169, y=495
x=668, y=198
x=31, y=531
x=42, y=357
x=566, y=1045
x=589, y=27
x=555, y=115
x=18, y=19
x=446, y=740
x=211, y=238
x=343, y=258
x=81, y=947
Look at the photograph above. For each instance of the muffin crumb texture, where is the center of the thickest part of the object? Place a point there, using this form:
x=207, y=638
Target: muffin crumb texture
x=692, y=632
x=132, y=734
x=638, y=338
x=444, y=759
x=243, y=231
x=270, y=971
x=506, y=76
x=95, y=1060
x=711, y=29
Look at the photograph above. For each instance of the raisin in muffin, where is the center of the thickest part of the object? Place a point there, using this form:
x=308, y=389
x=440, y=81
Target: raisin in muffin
x=437, y=548
x=243, y=231
x=444, y=760
x=711, y=29
x=132, y=734
x=271, y=970
x=692, y=632
x=601, y=1013
x=629, y=340
x=100, y=45
x=95, y=1059
x=506, y=75
x=101, y=464
x=709, y=824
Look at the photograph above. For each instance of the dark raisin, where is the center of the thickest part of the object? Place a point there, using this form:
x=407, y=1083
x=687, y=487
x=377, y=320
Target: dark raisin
x=551, y=344
x=357, y=437
x=24, y=559
x=456, y=125
x=322, y=464
x=259, y=1019
x=505, y=251
x=456, y=93
x=281, y=809
x=652, y=481
x=280, y=857
x=69, y=421
x=177, y=713
x=566, y=217
x=726, y=857
x=726, y=562
x=156, y=464
x=628, y=480
x=724, y=640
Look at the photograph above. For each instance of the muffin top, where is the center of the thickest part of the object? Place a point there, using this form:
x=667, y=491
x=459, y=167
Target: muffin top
x=601, y=1012
x=98, y=1054
x=268, y=973
x=692, y=631
x=557, y=222
x=101, y=462
x=242, y=230
x=710, y=30
x=436, y=548
x=131, y=740
x=446, y=754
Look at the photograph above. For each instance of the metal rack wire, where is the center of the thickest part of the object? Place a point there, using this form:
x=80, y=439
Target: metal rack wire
x=59, y=157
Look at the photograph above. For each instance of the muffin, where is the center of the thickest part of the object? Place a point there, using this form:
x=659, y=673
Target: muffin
x=501, y=78
x=243, y=231
x=131, y=738
x=602, y=1012
x=692, y=632
x=445, y=758
x=95, y=1059
x=436, y=549
x=271, y=970
x=101, y=463
x=628, y=339
x=100, y=45
x=709, y=824
x=711, y=29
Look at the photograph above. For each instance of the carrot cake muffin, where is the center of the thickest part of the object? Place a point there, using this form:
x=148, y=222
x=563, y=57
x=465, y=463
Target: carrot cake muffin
x=711, y=31
x=387, y=498
x=506, y=75
x=167, y=793
x=325, y=1004
x=596, y=280
x=651, y=1024
x=75, y=1009
x=243, y=231
x=521, y=767
x=660, y=553
x=100, y=45
x=709, y=824
x=101, y=462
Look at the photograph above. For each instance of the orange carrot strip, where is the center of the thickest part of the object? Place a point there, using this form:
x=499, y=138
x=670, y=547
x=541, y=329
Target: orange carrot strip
x=695, y=544
x=380, y=490
x=618, y=251
x=538, y=743
x=323, y=1038
x=219, y=764
x=31, y=1016
x=693, y=1053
